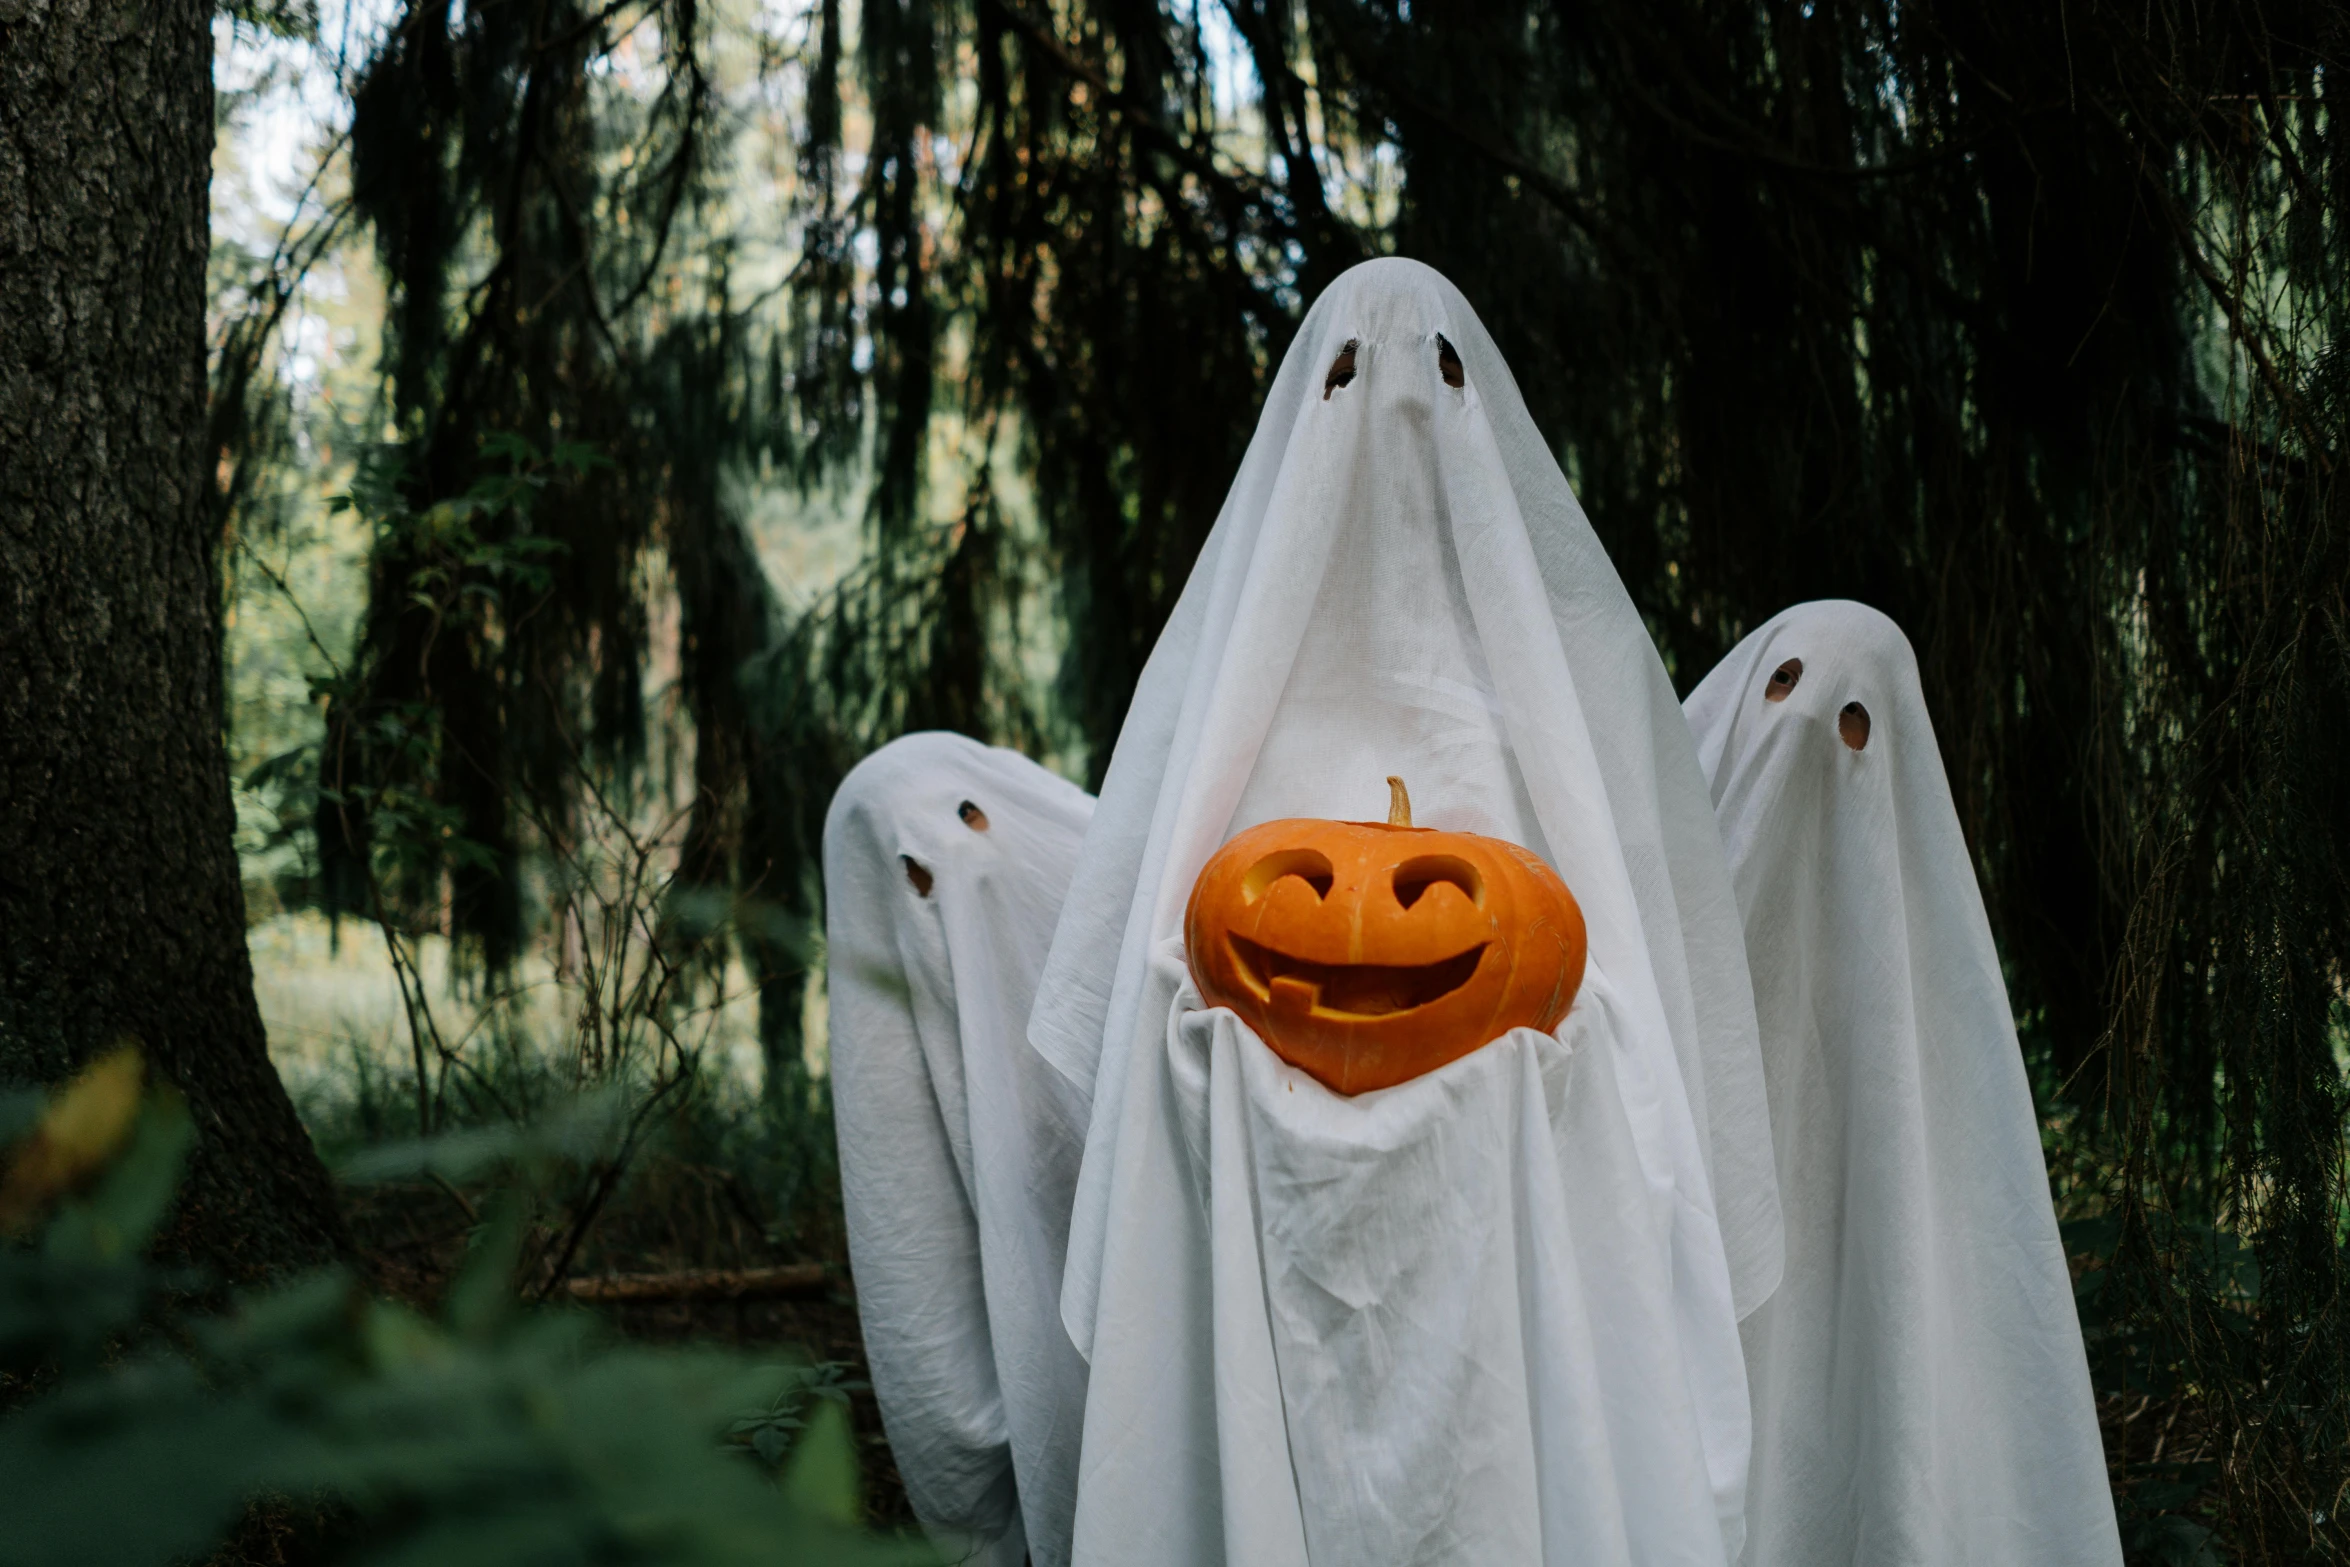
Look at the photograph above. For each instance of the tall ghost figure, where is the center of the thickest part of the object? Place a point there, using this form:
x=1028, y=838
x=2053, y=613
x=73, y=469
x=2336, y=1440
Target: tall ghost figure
x=1920, y=1394
x=944, y=865
x=1488, y=1314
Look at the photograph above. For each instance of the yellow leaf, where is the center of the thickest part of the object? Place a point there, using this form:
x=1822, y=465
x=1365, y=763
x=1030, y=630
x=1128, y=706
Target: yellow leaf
x=87, y=1124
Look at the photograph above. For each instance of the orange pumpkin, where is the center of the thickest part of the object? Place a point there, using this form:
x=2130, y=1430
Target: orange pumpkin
x=1367, y=953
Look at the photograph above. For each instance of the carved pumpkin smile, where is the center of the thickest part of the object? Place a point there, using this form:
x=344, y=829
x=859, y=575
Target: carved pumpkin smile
x=1295, y=986
x=1368, y=953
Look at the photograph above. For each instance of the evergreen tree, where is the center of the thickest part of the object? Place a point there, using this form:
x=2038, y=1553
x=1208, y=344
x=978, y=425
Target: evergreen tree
x=569, y=379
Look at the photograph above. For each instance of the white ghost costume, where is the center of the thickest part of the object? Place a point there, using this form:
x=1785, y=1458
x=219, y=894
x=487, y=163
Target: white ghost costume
x=1920, y=1394
x=1487, y=1315
x=944, y=865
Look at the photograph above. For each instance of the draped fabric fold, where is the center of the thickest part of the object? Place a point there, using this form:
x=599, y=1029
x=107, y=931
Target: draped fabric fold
x=1429, y=1324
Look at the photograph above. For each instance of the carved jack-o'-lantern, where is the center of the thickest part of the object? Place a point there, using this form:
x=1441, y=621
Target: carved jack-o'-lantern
x=1368, y=953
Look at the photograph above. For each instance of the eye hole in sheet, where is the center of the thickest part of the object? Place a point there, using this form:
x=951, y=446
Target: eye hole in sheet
x=1448, y=363
x=1853, y=725
x=973, y=817
x=1342, y=370
x=917, y=874
x=1783, y=681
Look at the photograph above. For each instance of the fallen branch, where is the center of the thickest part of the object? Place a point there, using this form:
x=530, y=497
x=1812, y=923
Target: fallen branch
x=795, y=1281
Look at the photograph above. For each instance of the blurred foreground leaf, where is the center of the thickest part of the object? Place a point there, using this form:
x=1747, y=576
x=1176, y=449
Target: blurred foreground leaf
x=85, y=1124
x=496, y=1435
x=822, y=1478
x=583, y=1128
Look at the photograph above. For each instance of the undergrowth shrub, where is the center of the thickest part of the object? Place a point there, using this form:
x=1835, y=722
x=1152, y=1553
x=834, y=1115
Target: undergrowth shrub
x=146, y=1417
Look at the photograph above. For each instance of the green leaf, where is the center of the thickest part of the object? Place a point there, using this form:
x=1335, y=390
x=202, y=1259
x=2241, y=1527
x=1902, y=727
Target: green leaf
x=142, y=1469
x=506, y=445
x=822, y=1477
x=482, y=1297
x=578, y=457
x=455, y=1157
x=308, y=1311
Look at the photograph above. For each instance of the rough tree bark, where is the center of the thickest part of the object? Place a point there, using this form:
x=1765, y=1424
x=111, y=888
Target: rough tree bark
x=120, y=906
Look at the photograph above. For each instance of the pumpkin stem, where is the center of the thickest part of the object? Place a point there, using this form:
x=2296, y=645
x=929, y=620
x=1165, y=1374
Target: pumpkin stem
x=1399, y=803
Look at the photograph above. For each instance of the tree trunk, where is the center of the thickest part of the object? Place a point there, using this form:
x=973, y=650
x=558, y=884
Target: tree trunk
x=120, y=906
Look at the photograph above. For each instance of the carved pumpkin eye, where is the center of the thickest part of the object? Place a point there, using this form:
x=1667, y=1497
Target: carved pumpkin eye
x=1853, y=725
x=1414, y=877
x=1783, y=680
x=1448, y=363
x=1310, y=866
x=1342, y=370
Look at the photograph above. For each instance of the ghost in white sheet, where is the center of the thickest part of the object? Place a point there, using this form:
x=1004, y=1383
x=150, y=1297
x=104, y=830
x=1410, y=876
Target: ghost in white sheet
x=1920, y=1394
x=1488, y=1314
x=944, y=865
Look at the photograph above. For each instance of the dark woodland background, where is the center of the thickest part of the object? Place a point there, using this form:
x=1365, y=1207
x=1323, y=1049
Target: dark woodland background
x=2026, y=322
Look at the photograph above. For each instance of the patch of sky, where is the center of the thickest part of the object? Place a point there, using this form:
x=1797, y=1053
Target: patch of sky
x=1232, y=72
x=284, y=98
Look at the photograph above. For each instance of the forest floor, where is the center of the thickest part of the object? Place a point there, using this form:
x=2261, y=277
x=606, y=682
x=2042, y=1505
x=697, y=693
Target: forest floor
x=412, y=1239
